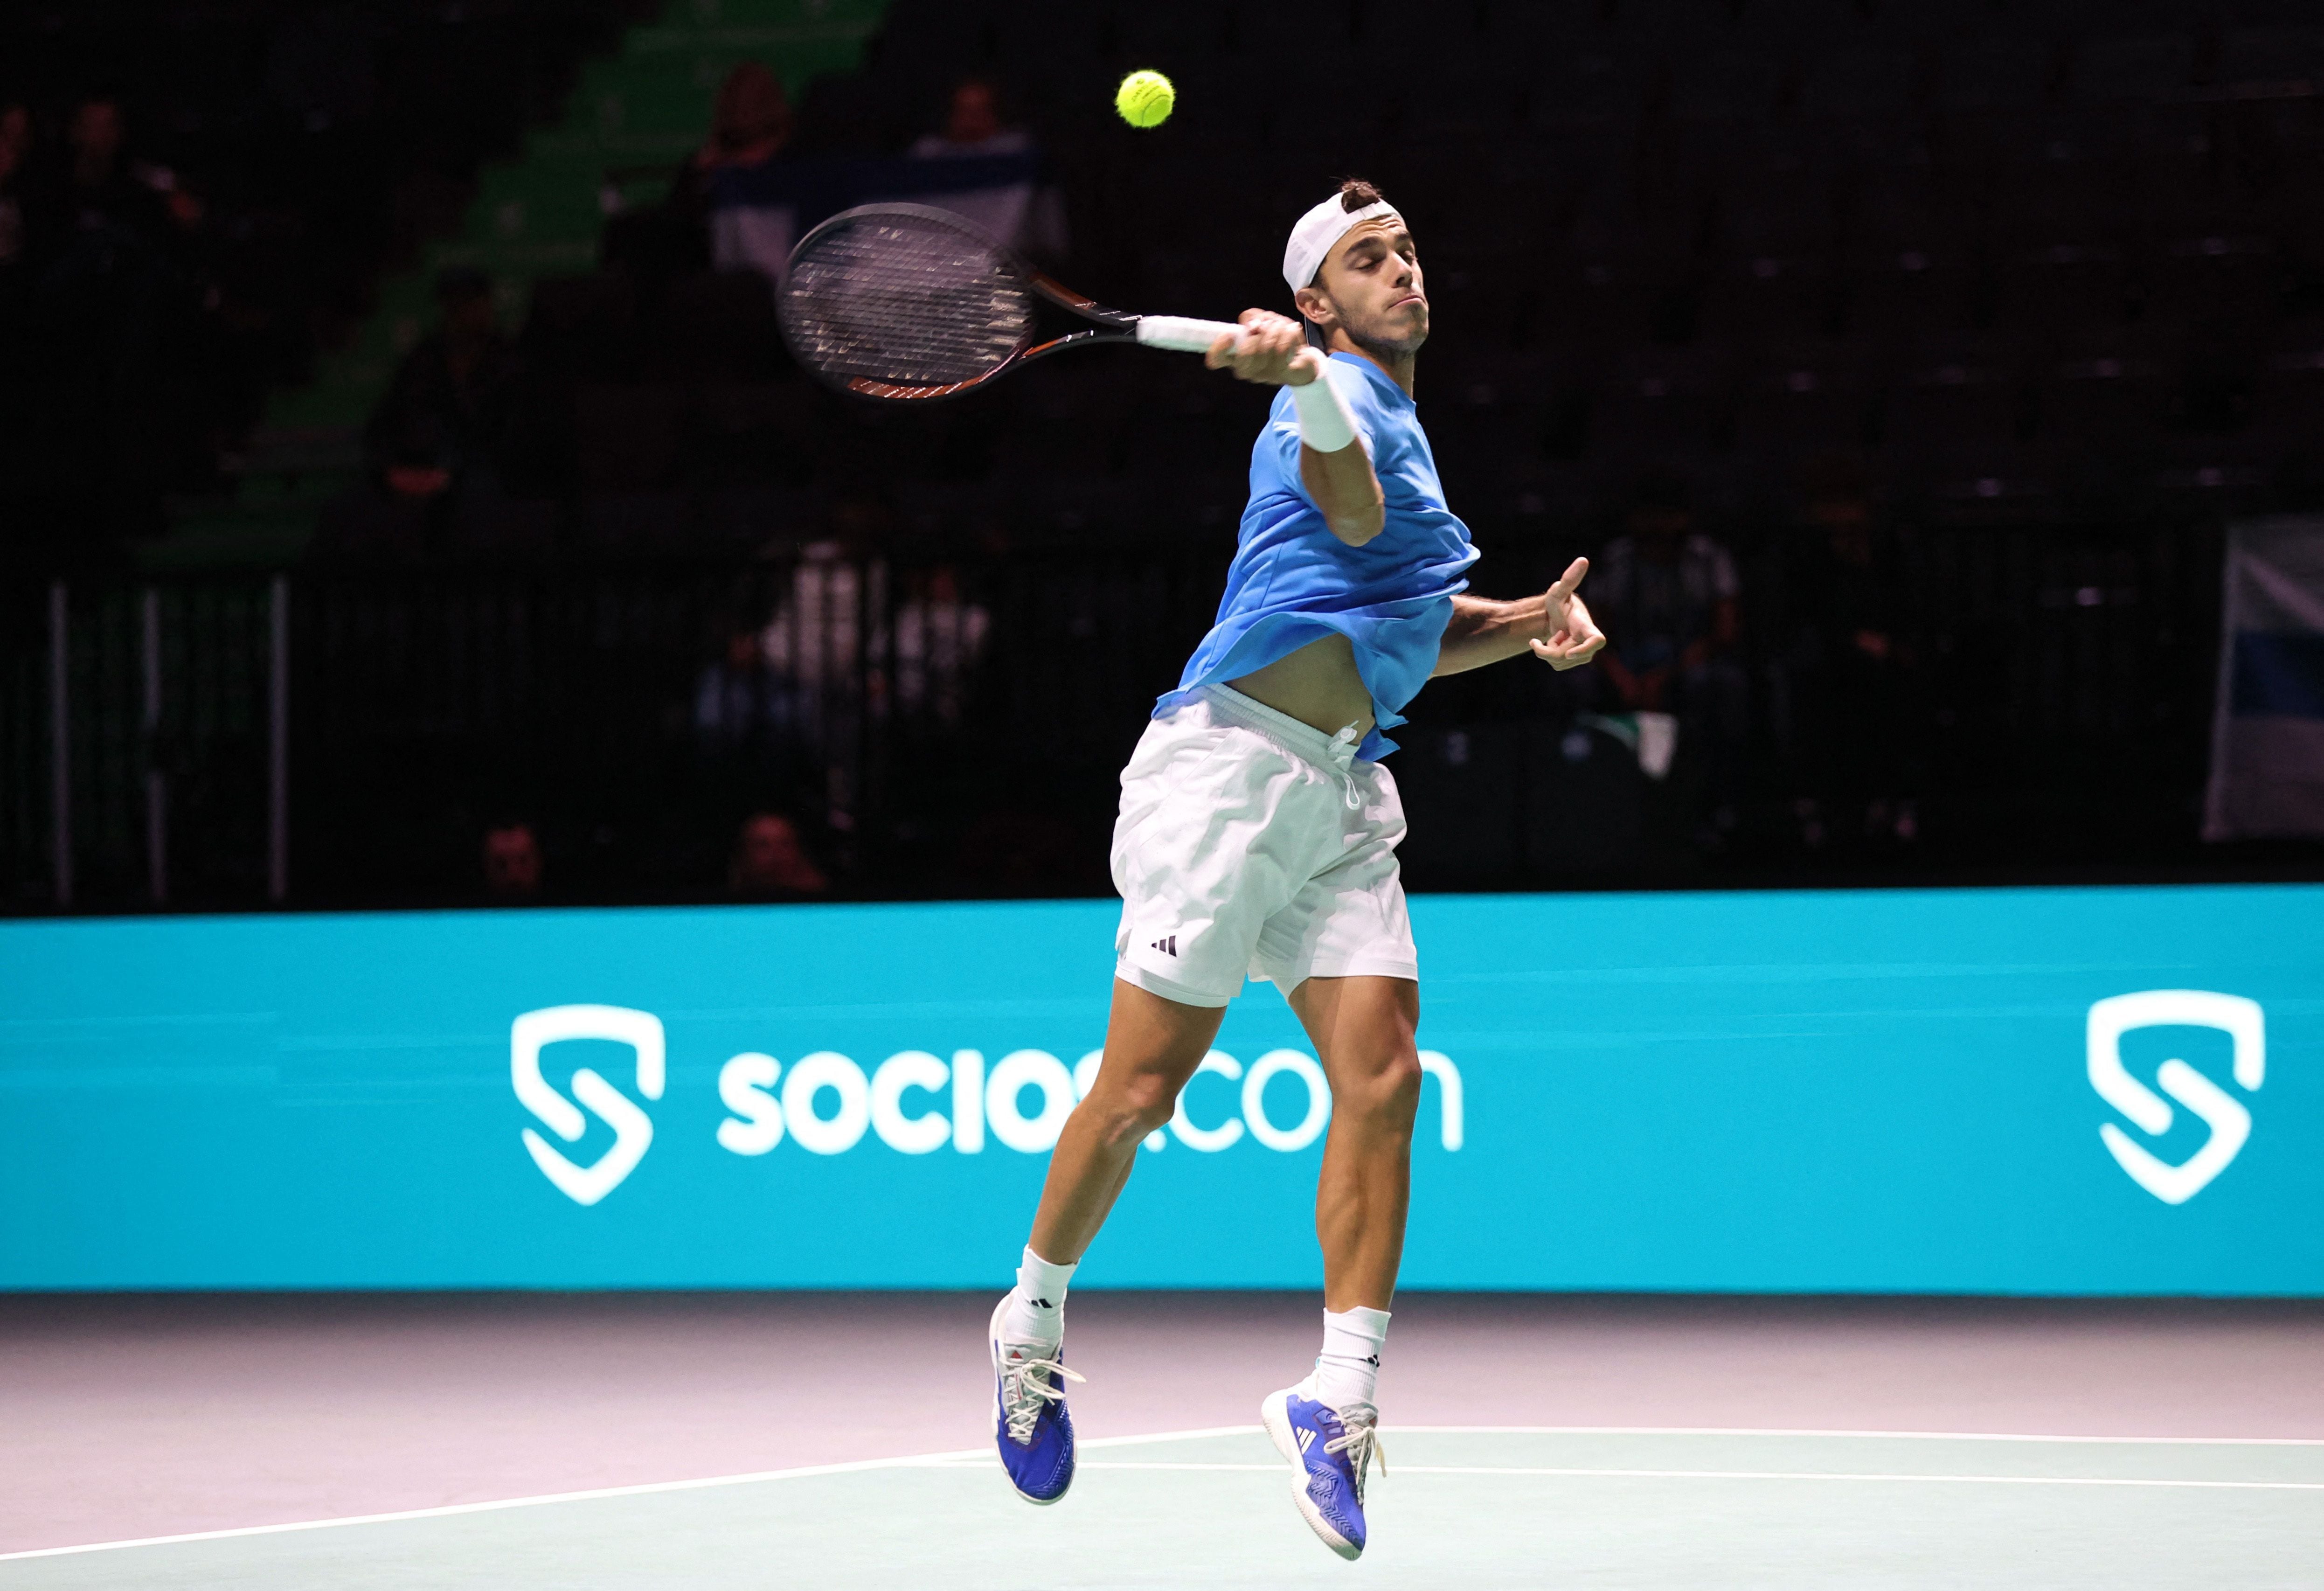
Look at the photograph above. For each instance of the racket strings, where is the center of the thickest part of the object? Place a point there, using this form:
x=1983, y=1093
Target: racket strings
x=900, y=300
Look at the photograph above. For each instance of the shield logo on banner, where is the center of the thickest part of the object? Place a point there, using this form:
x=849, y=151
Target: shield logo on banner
x=632, y=1128
x=2227, y=1116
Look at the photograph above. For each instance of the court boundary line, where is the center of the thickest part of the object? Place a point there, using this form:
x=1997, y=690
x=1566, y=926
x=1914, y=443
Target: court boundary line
x=1906, y=1436
x=1753, y=1475
x=953, y=1459
x=950, y=1460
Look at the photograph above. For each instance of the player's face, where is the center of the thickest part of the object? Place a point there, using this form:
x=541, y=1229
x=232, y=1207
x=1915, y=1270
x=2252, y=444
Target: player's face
x=1371, y=286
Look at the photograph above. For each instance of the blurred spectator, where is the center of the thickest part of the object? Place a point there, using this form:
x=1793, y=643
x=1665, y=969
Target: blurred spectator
x=770, y=863
x=816, y=641
x=512, y=863
x=731, y=206
x=939, y=639
x=998, y=179
x=972, y=125
x=93, y=183
x=1668, y=598
x=742, y=700
x=445, y=413
x=1674, y=594
x=748, y=728
x=19, y=402
x=1853, y=673
x=815, y=637
x=15, y=151
x=102, y=188
x=113, y=316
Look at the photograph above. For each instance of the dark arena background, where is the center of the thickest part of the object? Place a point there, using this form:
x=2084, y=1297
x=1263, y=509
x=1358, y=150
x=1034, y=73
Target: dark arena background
x=434, y=599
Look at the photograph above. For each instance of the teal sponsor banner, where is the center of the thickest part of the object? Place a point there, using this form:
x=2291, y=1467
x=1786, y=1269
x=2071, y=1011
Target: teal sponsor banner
x=2027, y=1091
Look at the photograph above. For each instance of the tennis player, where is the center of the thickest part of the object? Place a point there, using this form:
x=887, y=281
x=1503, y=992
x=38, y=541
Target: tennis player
x=1259, y=830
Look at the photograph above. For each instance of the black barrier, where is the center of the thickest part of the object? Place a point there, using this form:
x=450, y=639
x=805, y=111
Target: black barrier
x=951, y=724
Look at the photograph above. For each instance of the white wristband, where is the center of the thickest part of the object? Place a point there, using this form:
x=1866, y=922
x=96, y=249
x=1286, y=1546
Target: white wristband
x=1324, y=422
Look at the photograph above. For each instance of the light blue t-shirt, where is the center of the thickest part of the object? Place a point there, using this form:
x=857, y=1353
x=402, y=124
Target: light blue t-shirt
x=1293, y=581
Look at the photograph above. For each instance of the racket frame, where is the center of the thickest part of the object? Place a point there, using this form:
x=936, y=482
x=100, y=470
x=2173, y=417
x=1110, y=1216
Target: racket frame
x=1113, y=326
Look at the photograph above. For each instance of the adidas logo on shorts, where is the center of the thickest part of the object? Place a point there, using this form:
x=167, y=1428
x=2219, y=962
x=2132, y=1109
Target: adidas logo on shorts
x=1168, y=944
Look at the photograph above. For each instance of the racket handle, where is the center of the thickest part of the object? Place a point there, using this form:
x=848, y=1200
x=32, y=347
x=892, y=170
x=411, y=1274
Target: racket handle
x=1181, y=334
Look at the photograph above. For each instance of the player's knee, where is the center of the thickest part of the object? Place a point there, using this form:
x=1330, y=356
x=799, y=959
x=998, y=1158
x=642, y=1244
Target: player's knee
x=1402, y=1081
x=1140, y=1104
x=1389, y=1097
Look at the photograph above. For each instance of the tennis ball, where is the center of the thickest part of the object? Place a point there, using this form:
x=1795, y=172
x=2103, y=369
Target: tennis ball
x=1145, y=99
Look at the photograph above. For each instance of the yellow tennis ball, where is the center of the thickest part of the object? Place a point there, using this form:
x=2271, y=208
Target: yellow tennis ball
x=1145, y=99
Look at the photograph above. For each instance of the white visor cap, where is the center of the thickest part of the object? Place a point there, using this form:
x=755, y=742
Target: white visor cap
x=1317, y=231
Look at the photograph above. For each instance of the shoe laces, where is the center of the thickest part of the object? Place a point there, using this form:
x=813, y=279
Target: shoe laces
x=1358, y=1442
x=1029, y=1384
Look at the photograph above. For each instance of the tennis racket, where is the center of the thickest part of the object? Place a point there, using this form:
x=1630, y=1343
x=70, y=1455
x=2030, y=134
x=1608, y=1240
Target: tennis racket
x=909, y=303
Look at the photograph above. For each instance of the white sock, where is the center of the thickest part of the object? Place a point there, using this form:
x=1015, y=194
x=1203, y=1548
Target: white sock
x=1037, y=1304
x=1347, y=1372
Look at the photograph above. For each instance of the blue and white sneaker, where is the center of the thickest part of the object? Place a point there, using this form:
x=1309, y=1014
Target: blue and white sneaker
x=1329, y=1450
x=1029, y=1422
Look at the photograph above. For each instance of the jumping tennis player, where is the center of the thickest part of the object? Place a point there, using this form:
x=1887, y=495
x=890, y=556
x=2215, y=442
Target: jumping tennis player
x=1259, y=830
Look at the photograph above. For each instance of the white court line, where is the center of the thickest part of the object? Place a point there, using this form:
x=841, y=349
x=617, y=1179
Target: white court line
x=1755, y=1475
x=1907, y=1436
x=916, y=1461
x=954, y=1458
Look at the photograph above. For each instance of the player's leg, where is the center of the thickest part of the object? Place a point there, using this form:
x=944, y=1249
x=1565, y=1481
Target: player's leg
x=1152, y=1046
x=1363, y=1030
x=1194, y=856
x=1344, y=952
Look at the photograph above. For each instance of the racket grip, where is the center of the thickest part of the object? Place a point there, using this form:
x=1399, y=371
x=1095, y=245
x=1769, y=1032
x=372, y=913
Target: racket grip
x=1181, y=334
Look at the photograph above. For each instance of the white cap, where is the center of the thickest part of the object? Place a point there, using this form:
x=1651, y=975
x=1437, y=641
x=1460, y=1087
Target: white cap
x=1317, y=231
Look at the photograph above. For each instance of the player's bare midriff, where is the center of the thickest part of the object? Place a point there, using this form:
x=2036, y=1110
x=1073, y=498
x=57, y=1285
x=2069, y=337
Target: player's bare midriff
x=1318, y=685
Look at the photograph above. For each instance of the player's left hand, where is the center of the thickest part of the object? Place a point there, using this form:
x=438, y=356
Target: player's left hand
x=1573, y=637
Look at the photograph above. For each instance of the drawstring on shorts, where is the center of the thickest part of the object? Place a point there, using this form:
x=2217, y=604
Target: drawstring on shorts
x=1343, y=753
x=1303, y=741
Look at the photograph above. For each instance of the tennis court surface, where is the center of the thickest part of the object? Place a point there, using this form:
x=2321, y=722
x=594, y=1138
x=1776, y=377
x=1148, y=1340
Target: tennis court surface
x=644, y=1443
x=1461, y=1506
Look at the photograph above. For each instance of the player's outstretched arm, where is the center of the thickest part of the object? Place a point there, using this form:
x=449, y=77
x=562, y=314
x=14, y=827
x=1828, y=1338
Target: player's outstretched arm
x=1272, y=351
x=1555, y=626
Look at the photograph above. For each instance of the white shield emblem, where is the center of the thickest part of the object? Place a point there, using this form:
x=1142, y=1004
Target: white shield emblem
x=2220, y=1111
x=632, y=1128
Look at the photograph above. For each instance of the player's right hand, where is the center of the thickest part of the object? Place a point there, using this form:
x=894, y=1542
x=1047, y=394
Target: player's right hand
x=1271, y=350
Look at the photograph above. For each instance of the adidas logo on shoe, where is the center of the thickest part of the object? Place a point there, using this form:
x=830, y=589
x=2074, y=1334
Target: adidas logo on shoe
x=1168, y=944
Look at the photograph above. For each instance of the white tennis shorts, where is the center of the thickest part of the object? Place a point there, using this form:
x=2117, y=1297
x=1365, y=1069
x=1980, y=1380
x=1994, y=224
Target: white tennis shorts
x=1250, y=845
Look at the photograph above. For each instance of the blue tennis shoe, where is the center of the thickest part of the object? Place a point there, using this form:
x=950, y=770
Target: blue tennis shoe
x=1031, y=1425
x=1329, y=1450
